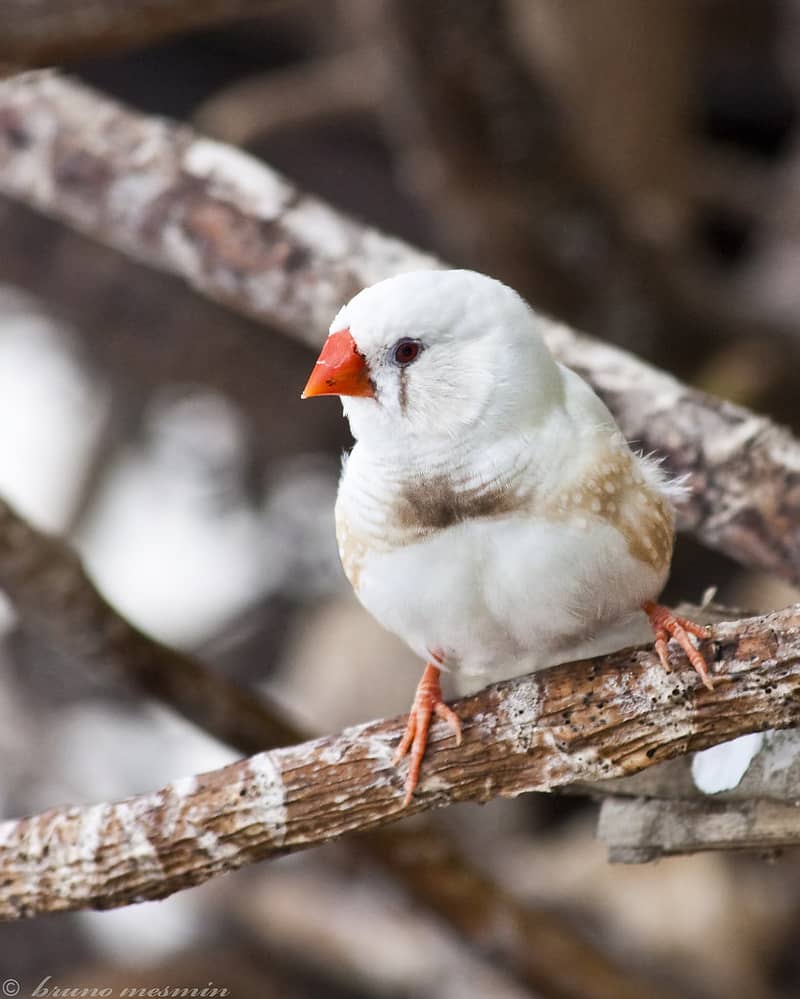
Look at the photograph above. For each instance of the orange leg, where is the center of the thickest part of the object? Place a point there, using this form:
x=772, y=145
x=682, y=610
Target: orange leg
x=667, y=625
x=427, y=702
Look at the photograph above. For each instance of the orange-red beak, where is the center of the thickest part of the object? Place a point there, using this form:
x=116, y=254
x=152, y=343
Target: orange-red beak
x=340, y=369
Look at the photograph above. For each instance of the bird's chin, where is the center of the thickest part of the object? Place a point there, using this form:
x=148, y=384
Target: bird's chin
x=361, y=412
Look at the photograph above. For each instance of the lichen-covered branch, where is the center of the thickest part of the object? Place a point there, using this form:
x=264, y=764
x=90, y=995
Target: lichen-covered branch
x=243, y=235
x=773, y=774
x=52, y=592
x=581, y=721
x=232, y=227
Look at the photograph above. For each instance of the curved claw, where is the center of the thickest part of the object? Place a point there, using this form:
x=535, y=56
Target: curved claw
x=667, y=625
x=427, y=702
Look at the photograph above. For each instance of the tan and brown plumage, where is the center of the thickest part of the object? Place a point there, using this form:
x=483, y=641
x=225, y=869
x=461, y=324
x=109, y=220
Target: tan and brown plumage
x=490, y=513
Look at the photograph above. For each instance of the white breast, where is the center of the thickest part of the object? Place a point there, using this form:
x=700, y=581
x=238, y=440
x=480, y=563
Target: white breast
x=556, y=570
x=497, y=598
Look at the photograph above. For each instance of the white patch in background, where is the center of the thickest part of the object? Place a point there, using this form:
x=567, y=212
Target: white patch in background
x=137, y=935
x=172, y=541
x=178, y=546
x=299, y=527
x=722, y=767
x=98, y=751
x=51, y=413
x=8, y=616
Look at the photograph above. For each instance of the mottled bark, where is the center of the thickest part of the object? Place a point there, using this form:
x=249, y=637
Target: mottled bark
x=581, y=721
x=773, y=775
x=243, y=235
x=50, y=589
x=233, y=228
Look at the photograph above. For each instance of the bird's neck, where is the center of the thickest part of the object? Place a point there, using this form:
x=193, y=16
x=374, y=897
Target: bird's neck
x=468, y=471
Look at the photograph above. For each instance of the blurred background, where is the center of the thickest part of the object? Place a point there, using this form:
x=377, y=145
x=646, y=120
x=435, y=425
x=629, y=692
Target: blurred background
x=630, y=166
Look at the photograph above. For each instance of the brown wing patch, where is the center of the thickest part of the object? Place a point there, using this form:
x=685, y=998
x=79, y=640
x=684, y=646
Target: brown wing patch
x=648, y=528
x=616, y=492
x=435, y=503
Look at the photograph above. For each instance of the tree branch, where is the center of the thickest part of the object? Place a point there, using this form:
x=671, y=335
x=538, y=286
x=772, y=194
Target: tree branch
x=244, y=236
x=42, y=32
x=49, y=587
x=241, y=234
x=640, y=830
x=324, y=88
x=52, y=592
x=581, y=721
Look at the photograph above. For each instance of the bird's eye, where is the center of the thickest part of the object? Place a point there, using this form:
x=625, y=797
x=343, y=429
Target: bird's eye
x=405, y=351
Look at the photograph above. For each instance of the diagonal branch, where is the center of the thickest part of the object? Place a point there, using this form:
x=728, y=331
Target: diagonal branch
x=582, y=721
x=50, y=589
x=52, y=592
x=40, y=32
x=243, y=235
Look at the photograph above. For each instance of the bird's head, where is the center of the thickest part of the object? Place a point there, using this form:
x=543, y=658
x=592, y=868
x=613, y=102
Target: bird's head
x=436, y=354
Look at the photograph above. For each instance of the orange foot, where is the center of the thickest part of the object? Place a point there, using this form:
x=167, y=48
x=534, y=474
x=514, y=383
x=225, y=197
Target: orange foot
x=427, y=702
x=667, y=625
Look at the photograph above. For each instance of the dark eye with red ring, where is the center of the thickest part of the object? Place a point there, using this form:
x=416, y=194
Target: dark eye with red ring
x=405, y=351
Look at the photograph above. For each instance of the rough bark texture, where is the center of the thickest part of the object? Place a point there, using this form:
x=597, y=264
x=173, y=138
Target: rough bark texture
x=233, y=228
x=242, y=235
x=773, y=775
x=581, y=721
x=52, y=592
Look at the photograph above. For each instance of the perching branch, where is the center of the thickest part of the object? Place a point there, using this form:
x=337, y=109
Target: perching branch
x=52, y=592
x=243, y=235
x=581, y=721
x=773, y=775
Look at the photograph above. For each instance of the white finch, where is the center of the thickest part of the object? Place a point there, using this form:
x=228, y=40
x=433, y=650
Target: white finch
x=491, y=513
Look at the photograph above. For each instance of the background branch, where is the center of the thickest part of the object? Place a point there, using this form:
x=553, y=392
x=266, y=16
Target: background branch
x=641, y=830
x=49, y=587
x=580, y=721
x=243, y=235
x=631, y=171
x=346, y=83
x=39, y=32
